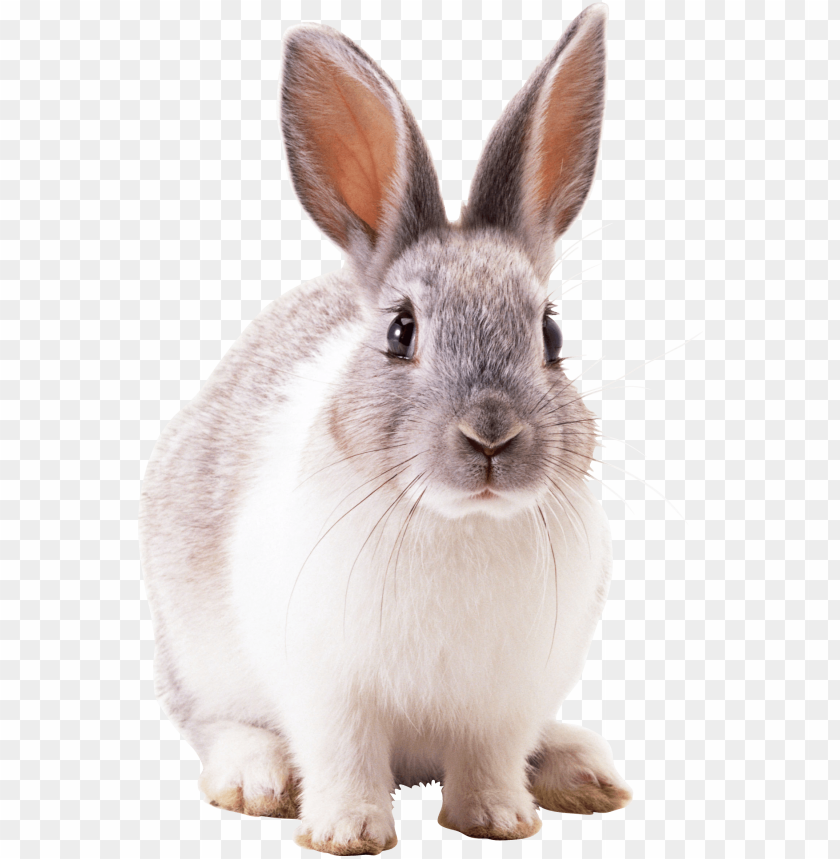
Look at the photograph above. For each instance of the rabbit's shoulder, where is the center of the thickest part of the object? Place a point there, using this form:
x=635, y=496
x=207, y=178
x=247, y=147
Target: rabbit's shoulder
x=201, y=463
x=289, y=331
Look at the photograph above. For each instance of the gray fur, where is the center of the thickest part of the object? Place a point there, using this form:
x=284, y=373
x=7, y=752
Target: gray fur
x=479, y=358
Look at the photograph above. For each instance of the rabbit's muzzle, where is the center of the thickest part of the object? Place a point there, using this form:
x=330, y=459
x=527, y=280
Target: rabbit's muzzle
x=489, y=447
x=487, y=441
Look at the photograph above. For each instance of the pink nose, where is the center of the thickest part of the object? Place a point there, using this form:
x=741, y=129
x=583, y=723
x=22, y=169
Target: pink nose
x=485, y=446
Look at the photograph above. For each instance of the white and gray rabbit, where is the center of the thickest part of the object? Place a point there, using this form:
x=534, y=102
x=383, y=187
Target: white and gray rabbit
x=368, y=544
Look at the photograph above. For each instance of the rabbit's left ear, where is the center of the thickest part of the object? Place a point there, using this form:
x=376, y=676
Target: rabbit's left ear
x=358, y=161
x=538, y=164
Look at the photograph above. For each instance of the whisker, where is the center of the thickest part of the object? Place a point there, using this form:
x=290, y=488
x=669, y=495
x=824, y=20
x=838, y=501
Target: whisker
x=410, y=566
x=590, y=476
x=543, y=564
x=641, y=480
x=556, y=589
x=558, y=460
x=555, y=424
x=346, y=458
x=638, y=367
x=578, y=282
x=403, y=536
x=553, y=457
x=388, y=510
x=321, y=538
x=580, y=241
x=401, y=495
x=571, y=507
x=624, y=442
x=366, y=482
x=570, y=382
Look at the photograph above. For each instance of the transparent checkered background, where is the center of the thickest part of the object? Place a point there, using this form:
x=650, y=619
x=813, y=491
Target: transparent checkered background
x=146, y=215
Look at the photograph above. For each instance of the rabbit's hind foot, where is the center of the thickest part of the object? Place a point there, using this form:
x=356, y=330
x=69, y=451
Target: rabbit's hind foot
x=573, y=772
x=248, y=770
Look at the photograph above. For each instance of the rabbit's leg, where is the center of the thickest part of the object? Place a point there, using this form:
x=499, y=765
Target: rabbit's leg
x=573, y=771
x=346, y=806
x=485, y=792
x=246, y=769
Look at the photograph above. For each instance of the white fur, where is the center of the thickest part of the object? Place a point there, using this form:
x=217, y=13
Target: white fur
x=464, y=634
x=251, y=759
x=361, y=628
x=409, y=671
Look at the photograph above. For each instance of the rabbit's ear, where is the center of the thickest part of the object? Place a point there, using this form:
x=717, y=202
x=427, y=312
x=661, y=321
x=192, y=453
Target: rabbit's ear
x=358, y=162
x=538, y=164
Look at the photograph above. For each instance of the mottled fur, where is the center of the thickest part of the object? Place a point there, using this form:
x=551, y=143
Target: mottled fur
x=348, y=592
x=200, y=466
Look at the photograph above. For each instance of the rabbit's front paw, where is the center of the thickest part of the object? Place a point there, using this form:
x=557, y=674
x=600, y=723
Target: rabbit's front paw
x=574, y=773
x=363, y=830
x=491, y=815
x=248, y=771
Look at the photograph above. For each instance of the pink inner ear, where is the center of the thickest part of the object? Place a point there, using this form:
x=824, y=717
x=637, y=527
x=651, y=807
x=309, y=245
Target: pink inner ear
x=569, y=118
x=354, y=136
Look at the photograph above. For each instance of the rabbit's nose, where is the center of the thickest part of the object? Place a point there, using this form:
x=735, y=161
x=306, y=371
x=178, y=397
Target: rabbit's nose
x=485, y=446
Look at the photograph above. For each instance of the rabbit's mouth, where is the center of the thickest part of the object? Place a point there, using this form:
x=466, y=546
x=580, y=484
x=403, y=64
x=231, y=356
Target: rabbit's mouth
x=488, y=501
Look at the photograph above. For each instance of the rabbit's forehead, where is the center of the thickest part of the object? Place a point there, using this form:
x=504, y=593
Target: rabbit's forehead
x=471, y=279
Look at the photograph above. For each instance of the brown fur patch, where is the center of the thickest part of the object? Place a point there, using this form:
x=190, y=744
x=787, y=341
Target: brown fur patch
x=357, y=847
x=523, y=829
x=268, y=805
x=229, y=799
x=586, y=799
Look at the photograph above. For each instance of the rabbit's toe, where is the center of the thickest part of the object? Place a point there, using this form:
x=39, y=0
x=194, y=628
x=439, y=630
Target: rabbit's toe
x=247, y=771
x=494, y=816
x=591, y=798
x=362, y=831
x=256, y=803
x=573, y=772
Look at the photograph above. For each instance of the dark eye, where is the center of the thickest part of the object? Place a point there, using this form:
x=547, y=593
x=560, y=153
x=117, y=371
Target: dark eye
x=401, y=336
x=553, y=340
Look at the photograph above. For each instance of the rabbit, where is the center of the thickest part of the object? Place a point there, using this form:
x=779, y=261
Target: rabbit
x=369, y=547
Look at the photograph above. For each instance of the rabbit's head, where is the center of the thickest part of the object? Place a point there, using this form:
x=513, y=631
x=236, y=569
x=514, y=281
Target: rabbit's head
x=457, y=396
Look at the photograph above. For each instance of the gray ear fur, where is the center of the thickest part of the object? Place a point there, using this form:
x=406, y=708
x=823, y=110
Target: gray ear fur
x=538, y=164
x=359, y=164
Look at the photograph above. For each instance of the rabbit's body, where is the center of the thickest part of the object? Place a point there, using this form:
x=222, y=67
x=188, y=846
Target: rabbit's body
x=370, y=567
x=227, y=589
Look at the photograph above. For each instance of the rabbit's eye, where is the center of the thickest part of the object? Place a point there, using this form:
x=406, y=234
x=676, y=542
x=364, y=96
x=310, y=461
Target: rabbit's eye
x=401, y=336
x=553, y=339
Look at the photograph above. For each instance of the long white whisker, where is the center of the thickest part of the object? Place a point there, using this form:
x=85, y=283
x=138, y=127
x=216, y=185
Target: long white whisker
x=578, y=282
x=543, y=561
x=638, y=367
x=609, y=464
x=556, y=586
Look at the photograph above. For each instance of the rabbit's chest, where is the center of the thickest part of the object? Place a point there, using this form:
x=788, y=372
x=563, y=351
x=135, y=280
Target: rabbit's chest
x=512, y=629
x=418, y=610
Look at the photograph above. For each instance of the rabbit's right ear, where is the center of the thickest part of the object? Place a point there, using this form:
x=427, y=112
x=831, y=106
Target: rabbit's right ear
x=538, y=164
x=358, y=162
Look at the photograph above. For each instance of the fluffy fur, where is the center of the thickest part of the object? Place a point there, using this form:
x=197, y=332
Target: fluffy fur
x=349, y=591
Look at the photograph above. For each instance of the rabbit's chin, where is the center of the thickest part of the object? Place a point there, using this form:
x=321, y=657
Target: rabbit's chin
x=496, y=503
